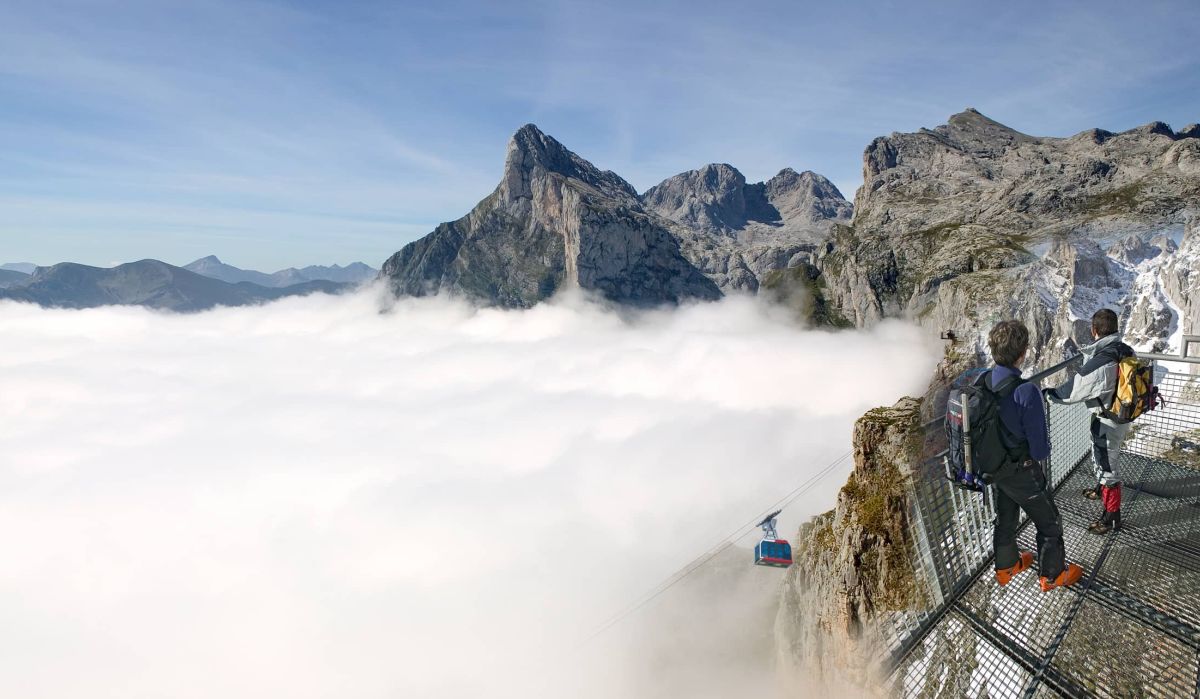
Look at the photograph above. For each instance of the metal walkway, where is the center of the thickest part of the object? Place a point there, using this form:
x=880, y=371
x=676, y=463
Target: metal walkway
x=1131, y=628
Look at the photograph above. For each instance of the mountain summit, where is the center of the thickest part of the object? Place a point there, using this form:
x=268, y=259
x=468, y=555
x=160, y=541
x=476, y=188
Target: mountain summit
x=532, y=153
x=557, y=221
x=716, y=198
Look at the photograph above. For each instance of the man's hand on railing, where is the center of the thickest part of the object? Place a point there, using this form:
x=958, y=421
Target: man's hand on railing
x=1070, y=349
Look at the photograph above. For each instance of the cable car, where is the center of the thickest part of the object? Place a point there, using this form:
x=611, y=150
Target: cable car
x=772, y=551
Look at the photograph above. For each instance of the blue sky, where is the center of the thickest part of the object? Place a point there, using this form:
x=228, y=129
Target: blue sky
x=288, y=133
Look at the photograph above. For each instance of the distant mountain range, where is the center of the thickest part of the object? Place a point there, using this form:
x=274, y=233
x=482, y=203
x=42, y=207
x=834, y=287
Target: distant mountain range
x=22, y=267
x=353, y=273
x=148, y=283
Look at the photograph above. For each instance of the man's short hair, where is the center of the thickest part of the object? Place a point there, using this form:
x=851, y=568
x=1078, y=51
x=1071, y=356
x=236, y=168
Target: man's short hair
x=1008, y=340
x=1104, y=322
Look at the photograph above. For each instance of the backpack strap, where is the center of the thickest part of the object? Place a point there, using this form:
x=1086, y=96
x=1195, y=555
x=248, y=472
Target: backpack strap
x=1017, y=448
x=1109, y=355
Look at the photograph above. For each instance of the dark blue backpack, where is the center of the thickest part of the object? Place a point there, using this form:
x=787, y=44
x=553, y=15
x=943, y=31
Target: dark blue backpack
x=978, y=444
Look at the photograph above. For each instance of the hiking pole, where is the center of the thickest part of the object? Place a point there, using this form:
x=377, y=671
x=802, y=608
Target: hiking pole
x=967, y=461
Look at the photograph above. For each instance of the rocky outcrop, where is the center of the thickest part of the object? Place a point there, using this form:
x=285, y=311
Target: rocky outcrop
x=556, y=221
x=1179, y=277
x=854, y=563
x=740, y=234
x=717, y=199
x=974, y=196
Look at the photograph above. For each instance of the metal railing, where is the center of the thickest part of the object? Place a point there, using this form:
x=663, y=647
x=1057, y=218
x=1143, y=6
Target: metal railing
x=970, y=637
x=952, y=529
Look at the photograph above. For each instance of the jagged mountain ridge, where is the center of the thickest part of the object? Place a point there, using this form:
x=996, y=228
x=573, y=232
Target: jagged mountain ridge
x=716, y=198
x=149, y=283
x=975, y=196
x=556, y=221
x=214, y=268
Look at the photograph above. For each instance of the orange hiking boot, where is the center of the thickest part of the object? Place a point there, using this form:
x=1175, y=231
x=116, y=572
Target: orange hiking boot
x=1070, y=575
x=1005, y=575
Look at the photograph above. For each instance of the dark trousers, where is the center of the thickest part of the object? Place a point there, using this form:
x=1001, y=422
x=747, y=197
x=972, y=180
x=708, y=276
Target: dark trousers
x=1023, y=487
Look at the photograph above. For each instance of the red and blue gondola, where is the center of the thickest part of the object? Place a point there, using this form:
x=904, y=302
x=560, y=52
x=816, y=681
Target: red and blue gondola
x=777, y=553
x=772, y=551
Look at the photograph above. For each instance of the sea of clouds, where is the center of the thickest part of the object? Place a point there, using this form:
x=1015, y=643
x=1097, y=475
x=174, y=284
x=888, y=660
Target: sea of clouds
x=340, y=497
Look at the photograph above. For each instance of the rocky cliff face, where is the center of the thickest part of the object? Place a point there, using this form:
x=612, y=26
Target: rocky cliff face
x=854, y=563
x=556, y=221
x=958, y=226
x=736, y=233
x=1178, y=279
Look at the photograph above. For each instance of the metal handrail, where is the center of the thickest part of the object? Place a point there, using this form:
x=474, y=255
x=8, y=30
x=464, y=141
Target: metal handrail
x=928, y=426
x=1183, y=355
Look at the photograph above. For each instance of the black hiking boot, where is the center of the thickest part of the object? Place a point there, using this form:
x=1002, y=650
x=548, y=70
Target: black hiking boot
x=1109, y=522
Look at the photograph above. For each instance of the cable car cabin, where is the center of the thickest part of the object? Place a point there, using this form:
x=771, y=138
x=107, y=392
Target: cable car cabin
x=773, y=552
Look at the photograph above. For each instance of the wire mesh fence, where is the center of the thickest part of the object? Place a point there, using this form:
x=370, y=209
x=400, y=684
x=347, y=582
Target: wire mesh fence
x=1131, y=628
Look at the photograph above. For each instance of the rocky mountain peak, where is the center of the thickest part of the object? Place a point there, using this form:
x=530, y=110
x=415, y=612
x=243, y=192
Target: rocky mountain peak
x=205, y=265
x=717, y=198
x=712, y=198
x=1155, y=128
x=971, y=130
x=807, y=197
x=555, y=221
x=974, y=195
x=788, y=178
x=530, y=152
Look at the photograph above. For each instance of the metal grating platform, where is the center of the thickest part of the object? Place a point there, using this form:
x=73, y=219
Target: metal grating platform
x=1131, y=628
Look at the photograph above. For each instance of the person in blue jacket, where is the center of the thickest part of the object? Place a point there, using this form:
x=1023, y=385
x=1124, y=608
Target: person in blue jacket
x=1021, y=484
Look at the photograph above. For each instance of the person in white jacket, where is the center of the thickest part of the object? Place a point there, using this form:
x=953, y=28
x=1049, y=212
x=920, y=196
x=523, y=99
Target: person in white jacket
x=1094, y=385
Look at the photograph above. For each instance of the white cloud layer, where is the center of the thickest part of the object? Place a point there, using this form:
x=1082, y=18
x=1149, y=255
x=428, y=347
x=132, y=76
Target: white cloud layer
x=316, y=499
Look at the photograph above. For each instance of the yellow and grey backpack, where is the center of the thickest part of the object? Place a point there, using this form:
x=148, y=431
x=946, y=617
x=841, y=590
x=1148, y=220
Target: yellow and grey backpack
x=1135, y=390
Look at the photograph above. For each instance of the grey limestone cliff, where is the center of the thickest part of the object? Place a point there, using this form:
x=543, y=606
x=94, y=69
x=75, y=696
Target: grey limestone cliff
x=556, y=221
x=854, y=562
x=738, y=234
x=974, y=197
